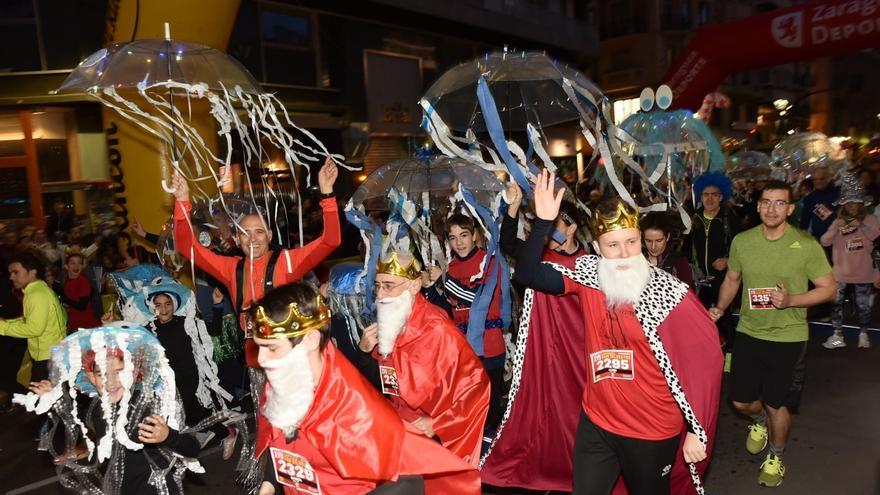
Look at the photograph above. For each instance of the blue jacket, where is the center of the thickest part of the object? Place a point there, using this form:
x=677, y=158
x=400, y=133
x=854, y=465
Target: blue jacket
x=810, y=220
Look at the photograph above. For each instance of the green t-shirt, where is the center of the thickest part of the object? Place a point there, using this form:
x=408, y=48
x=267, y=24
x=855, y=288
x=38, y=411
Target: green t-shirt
x=793, y=260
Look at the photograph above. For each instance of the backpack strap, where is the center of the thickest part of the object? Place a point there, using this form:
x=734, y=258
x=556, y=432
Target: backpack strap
x=239, y=284
x=268, y=280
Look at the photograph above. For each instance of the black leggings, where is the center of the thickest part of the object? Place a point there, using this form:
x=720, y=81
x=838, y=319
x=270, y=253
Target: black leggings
x=600, y=457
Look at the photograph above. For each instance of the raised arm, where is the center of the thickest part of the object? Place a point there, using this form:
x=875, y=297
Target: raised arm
x=529, y=269
x=218, y=266
x=309, y=256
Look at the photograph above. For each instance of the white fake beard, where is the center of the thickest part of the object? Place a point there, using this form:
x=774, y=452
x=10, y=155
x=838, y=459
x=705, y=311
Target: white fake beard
x=392, y=314
x=623, y=286
x=291, y=390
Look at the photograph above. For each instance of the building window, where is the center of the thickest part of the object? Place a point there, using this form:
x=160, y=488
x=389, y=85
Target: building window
x=625, y=107
x=277, y=45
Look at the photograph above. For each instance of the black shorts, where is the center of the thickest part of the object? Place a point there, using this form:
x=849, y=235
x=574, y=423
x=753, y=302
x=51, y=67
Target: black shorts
x=762, y=369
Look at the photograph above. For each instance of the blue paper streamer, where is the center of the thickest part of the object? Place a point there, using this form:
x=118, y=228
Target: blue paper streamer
x=483, y=299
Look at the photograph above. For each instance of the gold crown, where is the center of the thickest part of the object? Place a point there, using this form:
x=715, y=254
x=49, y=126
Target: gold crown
x=294, y=325
x=622, y=219
x=393, y=266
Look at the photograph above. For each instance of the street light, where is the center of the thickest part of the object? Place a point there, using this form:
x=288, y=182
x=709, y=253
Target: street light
x=780, y=104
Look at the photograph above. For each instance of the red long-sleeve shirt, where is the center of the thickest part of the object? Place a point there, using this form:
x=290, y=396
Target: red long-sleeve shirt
x=223, y=268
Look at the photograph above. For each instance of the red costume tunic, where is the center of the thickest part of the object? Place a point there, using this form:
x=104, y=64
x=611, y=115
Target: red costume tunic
x=223, y=268
x=439, y=376
x=353, y=441
x=647, y=409
x=534, y=451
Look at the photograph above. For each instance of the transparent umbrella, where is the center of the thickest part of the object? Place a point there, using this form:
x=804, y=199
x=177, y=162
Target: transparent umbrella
x=748, y=164
x=159, y=84
x=427, y=183
x=800, y=153
x=146, y=62
x=527, y=88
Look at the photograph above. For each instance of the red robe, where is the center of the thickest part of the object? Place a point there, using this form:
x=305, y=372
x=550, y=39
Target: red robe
x=439, y=376
x=223, y=268
x=534, y=451
x=354, y=441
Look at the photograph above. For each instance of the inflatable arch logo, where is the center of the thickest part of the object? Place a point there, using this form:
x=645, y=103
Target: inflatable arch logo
x=788, y=30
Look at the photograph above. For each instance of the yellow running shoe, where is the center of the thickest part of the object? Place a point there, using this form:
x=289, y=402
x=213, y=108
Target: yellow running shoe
x=756, y=441
x=772, y=471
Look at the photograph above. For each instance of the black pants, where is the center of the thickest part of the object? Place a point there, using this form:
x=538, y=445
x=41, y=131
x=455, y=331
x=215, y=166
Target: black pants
x=496, y=411
x=405, y=485
x=600, y=457
x=39, y=370
x=12, y=349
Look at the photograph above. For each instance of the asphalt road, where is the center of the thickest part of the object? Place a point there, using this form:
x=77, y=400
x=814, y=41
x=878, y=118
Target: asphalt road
x=834, y=446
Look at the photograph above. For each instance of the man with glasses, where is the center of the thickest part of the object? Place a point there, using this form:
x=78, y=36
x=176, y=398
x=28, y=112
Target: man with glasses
x=774, y=262
x=427, y=369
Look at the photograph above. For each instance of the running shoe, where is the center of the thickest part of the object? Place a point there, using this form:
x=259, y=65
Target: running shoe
x=756, y=441
x=864, y=340
x=834, y=342
x=772, y=471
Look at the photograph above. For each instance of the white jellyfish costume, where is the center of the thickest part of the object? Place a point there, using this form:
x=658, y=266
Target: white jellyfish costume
x=148, y=384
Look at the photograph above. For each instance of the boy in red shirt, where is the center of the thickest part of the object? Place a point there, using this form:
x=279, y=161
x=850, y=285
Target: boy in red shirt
x=77, y=295
x=461, y=291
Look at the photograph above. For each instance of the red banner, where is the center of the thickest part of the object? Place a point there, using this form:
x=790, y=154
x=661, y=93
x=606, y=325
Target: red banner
x=783, y=36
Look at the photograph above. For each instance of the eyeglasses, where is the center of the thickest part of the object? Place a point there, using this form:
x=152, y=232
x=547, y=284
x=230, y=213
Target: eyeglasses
x=387, y=286
x=765, y=203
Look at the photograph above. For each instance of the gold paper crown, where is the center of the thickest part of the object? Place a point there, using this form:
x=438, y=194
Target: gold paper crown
x=393, y=266
x=622, y=219
x=294, y=325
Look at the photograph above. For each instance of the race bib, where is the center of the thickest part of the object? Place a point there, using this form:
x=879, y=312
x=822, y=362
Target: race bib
x=760, y=298
x=615, y=364
x=389, y=380
x=294, y=470
x=848, y=229
x=856, y=244
x=822, y=211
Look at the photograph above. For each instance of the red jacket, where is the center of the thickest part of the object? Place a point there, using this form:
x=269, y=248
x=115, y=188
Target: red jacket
x=439, y=376
x=353, y=441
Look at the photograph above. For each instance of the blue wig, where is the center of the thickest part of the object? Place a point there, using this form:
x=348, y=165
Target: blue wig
x=717, y=179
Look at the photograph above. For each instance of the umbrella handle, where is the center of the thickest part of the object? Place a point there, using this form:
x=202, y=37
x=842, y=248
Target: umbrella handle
x=167, y=188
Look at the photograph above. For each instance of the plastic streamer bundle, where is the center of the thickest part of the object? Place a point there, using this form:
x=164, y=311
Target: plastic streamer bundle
x=160, y=84
x=523, y=92
x=148, y=388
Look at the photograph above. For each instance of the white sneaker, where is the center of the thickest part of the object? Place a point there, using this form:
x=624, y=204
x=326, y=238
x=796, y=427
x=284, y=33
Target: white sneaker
x=864, y=340
x=834, y=342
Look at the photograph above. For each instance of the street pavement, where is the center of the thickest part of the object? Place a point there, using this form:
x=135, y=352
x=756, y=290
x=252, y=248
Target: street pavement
x=834, y=446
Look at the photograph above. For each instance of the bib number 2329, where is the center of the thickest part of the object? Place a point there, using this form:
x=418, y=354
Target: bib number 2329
x=294, y=470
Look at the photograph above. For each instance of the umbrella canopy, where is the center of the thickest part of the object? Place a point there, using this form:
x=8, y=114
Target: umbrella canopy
x=800, y=153
x=527, y=87
x=673, y=139
x=438, y=176
x=747, y=164
x=145, y=62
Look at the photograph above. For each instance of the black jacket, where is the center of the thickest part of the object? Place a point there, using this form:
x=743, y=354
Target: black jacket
x=711, y=239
